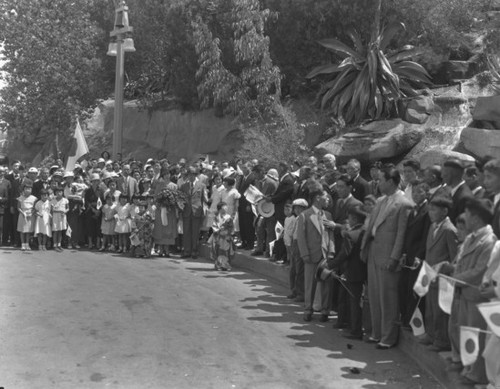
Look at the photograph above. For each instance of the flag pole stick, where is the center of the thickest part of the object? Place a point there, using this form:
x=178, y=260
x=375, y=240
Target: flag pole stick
x=458, y=281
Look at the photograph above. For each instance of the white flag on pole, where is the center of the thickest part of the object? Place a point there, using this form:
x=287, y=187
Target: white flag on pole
x=278, y=230
x=491, y=313
x=446, y=290
x=78, y=149
x=417, y=323
x=426, y=275
x=469, y=345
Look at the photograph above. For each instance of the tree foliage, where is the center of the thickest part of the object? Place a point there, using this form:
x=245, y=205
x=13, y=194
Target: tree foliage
x=52, y=67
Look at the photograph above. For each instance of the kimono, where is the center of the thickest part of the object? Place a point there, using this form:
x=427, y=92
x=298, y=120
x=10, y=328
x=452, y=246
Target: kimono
x=221, y=242
x=142, y=233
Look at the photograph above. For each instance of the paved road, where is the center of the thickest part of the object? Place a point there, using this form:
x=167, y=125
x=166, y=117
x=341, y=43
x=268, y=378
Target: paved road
x=89, y=320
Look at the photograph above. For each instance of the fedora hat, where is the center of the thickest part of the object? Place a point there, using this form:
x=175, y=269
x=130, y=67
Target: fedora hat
x=265, y=208
x=322, y=272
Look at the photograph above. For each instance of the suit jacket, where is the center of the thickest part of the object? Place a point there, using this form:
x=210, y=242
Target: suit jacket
x=5, y=188
x=495, y=222
x=416, y=234
x=348, y=259
x=244, y=183
x=360, y=188
x=283, y=193
x=390, y=233
x=269, y=186
x=459, y=199
x=472, y=261
x=197, y=198
x=131, y=189
x=314, y=241
x=342, y=207
x=38, y=186
x=443, y=247
x=15, y=188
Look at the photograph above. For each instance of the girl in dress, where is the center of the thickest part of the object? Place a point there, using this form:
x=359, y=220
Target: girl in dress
x=25, y=205
x=43, y=225
x=123, y=223
x=231, y=197
x=108, y=223
x=221, y=241
x=60, y=206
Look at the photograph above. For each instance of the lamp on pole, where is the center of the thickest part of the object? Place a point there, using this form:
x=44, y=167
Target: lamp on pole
x=123, y=43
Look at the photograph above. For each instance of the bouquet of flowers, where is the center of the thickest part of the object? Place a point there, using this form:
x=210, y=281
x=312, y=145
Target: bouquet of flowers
x=170, y=199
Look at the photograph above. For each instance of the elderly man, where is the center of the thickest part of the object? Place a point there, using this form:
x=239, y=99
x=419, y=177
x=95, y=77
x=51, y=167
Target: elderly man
x=360, y=187
x=41, y=183
x=382, y=249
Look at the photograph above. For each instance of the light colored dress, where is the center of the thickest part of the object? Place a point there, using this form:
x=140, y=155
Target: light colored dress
x=59, y=221
x=43, y=224
x=108, y=221
x=215, y=199
x=230, y=197
x=25, y=221
x=123, y=220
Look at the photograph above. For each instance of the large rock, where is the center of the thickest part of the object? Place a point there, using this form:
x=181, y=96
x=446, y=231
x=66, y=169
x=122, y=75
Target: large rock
x=419, y=109
x=374, y=141
x=481, y=143
x=488, y=109
x=173, y=133
x=443, y=138
x=437, y=156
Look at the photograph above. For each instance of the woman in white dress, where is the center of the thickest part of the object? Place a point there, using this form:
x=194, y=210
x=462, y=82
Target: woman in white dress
x=231, y=197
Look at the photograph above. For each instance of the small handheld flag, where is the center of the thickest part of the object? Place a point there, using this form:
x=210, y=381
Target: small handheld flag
x=417, y=323
x=426, y=275
x=446, y=291
x=469, y=345
x=491, y=313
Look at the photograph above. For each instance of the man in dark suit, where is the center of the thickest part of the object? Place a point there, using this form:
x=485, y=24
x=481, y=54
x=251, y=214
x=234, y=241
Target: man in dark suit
x=193, y=213
x=453, y=172
x=471, y=178
x=492, y=183
x=346, y=201
x=127, y=184
x=41, y=183
x=301, y=189
x=348, y=263
x=360, y=187
x=10, y=231
x=413, y=247
x=246, y=216
x=382, y=248
x=315, y=242
x=283, y=193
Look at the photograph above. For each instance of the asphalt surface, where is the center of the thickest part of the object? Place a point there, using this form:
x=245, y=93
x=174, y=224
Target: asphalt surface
x=90, y=320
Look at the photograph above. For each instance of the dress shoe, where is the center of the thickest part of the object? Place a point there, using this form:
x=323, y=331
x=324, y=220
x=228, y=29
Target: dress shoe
x=353, y=337
x=425, y=341
x=307, y=317
x=323, y=318
x=256, y=253
x=371, y=340
x=340, y=326
x=455, y=366
x=380, y=346
x=299, y=299
x=291, y=296
x=466, y=381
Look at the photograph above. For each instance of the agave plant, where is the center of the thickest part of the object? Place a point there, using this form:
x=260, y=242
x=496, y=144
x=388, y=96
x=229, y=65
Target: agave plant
x=368, y=83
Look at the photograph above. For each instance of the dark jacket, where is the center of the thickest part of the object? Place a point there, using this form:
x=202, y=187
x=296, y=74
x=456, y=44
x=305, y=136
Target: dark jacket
x=360, y=188
x=416, y=234
x=348, y=261
x=282, y=194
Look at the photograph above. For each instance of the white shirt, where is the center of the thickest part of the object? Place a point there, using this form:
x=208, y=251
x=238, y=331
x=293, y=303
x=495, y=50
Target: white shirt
x=496, y=199
x=455, y=188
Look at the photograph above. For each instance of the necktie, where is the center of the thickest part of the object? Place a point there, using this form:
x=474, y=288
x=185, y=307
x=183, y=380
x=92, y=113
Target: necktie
x=436, y=229
x=380, y=215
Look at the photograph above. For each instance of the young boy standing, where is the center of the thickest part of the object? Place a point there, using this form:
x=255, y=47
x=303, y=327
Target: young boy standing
x=441, y=246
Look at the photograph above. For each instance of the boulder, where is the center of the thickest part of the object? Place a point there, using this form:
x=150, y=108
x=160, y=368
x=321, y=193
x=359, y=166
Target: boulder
x=480, y=142
x=173, y=133
x=374, y=141
x=487, y=109
x=419, y=109
x=437, y=156
x=444, y=138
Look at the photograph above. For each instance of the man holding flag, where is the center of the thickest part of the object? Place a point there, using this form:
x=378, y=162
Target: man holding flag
x=468, y=270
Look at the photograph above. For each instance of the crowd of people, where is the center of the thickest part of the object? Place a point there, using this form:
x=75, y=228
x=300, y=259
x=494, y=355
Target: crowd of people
x=353, y=246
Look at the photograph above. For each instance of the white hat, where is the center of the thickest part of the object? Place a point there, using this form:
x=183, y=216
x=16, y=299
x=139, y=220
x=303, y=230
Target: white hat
x=228, y=172
x=265, y=208
x=68, y=174
x=300, y=203
x=95, y=177
x=273, y=174
x=101, y=160
x=33, y=170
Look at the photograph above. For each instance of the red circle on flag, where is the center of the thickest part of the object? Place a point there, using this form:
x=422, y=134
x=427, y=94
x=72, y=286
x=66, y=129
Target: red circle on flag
x=470, y=346
x=425, y=280
x=417, y=322
x=495, y=318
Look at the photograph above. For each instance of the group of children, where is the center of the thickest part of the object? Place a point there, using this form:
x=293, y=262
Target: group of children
x=122, y=224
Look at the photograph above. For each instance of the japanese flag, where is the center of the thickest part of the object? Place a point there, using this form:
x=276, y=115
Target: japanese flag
x=426, y=275
x=417, y=323
x=68, y=232
x=446, y=290
x=278, y=229
x=491, y=313
x=469, y=345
